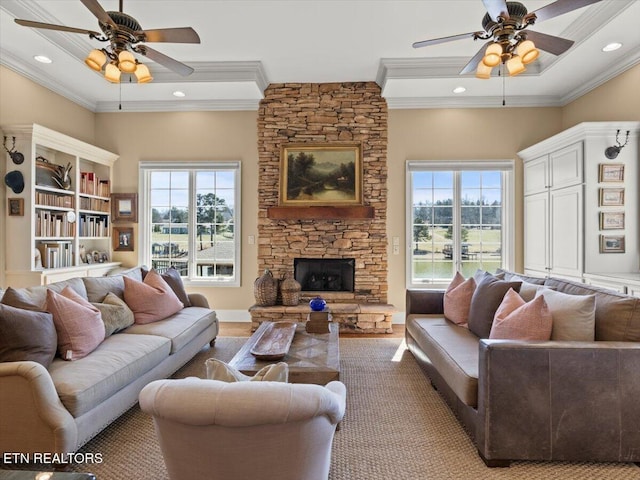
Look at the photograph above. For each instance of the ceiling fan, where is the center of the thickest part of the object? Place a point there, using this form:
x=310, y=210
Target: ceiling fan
x=510, y=42
x=125, y=35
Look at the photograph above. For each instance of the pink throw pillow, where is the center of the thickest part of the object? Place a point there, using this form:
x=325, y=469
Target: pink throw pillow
x=151, y=300
x=516, y=319
x=457, y=299
x=78, y=323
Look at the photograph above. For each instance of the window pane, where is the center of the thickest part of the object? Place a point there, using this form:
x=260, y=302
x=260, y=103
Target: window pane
x=434, y=197
x=173, y=231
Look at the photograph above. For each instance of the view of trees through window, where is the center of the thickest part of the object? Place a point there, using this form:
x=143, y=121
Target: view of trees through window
x=461, y=208
x=204, y=241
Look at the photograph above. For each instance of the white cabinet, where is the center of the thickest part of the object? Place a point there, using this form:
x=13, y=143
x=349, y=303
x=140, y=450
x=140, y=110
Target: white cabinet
x=66, y=213
x=562, y=189
x=553, y=212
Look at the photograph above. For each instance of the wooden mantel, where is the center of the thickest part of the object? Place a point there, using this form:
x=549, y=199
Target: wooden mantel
x=320, y=213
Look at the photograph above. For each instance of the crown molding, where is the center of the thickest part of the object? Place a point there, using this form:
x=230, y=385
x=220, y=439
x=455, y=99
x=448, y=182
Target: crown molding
x=179, y=106
x=404, y=103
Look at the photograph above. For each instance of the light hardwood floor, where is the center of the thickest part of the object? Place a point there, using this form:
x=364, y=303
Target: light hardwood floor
x=243, y=329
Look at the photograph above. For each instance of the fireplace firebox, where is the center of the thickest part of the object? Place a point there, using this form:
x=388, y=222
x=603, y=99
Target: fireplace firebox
x=325, y=274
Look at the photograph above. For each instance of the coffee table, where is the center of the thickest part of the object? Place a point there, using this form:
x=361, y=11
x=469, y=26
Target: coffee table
x=312, y=357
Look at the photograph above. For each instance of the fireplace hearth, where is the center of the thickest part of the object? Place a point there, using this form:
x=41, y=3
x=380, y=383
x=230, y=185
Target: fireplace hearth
x=325, y=274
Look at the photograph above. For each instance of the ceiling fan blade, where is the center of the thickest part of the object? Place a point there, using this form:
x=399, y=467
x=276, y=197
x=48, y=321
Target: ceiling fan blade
x=95, y=8
x=171, y=35
x=560, y=7
x=549, y=43
x=50, y=26
x=436, y=41
x=164, y=60
x=477, y=58
x=496, y=8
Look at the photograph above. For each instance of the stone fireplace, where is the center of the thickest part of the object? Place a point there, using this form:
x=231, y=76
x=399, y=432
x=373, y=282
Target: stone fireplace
x=324, y=114
x=325, y=274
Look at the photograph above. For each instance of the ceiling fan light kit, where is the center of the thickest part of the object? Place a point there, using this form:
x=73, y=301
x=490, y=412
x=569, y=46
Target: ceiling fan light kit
x=511, y=43
x=124, y=35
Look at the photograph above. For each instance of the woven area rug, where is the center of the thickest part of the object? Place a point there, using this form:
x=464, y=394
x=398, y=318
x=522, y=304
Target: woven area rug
x=396, y=427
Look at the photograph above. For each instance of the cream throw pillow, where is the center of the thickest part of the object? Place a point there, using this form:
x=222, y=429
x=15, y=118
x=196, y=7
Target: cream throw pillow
x=516, y=319
x=457, y=299
x=529, y=290
x=219, y=370
x=574, y=316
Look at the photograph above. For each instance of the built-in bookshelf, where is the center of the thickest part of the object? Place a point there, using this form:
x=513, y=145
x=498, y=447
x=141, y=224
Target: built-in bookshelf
x=66, y=226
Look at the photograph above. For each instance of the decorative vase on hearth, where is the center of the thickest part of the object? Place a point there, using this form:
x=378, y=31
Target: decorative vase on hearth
x=317, y=304
x=290, y=290
x=265, y=289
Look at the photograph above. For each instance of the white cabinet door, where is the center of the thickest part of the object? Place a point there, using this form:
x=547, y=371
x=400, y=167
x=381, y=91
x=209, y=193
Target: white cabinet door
x=536, y=175
x=536, y=232
x=566, y=235
x=565, y=166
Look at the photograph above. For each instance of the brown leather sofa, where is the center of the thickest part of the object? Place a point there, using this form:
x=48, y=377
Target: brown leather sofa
x=526, y=400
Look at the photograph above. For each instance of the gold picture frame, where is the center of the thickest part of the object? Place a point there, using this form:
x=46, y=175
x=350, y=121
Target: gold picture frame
x=327, y=174
x=15, y=207
x=611, y=220
x=612, y=244
x=611, y=197
x=123, y=239
x=611, y=172
x=124, y=207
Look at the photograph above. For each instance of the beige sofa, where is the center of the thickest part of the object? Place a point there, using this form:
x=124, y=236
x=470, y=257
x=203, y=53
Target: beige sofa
x=59, y=409
x=537, y=400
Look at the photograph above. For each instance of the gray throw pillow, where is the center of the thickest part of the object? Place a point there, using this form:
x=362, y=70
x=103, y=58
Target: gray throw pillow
x=174, y=280
x=27, y=335
x=485, y=301
x=116, y=315
x=21, y=299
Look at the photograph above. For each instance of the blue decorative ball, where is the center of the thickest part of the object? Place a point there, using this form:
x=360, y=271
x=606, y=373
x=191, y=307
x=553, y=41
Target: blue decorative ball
x=317, y=304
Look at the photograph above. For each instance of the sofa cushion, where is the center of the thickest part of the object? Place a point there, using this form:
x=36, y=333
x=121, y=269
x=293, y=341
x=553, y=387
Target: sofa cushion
x=119, y=360
x=516, y=319
x=20, y=298
x=485, y=301
x=151, y=300
x=573, y=315
x=507, y=275
x=454, y=353
x=116, y=315
x=78, y=323
x=27, y=335
x=617, y=315
x=528, y=290
x=457, y=299
x=37, y=295
x=174, y=280
x=180, y=328
x=99, y=287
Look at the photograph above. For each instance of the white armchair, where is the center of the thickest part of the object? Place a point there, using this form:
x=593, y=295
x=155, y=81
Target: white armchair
x=209, y=429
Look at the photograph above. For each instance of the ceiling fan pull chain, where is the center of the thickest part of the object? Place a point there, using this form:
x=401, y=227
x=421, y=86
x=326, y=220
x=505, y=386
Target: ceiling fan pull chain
x=504, y=101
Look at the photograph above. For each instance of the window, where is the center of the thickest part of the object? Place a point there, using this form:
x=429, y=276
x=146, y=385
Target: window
x=191, y=218
x=457, y=218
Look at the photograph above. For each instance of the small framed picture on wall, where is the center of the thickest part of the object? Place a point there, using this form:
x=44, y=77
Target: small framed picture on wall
x=123, y=239
x=16, y=207
x=611, y=243
x=124, y=207
x=611, y=220
x=611, y=172
x=611, y=197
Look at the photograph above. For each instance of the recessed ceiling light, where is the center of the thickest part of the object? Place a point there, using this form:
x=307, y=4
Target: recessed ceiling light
x=178, y=93
x=459, y=90
x=42, y=59
x=611, y=47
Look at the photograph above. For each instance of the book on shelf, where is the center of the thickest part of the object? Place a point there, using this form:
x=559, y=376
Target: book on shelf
x=91, y=184
x=57, y=254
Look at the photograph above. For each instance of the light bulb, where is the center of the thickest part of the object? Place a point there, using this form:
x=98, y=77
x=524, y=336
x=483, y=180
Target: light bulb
x=483, y=71
x=527, y=51
x=96, y=60
x=493, y=55
x=112, y=73
x=126, y=62
x=515, y=65
x=142, y=73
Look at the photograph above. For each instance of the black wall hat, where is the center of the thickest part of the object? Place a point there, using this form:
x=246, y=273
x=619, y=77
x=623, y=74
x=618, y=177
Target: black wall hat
x=15, y=181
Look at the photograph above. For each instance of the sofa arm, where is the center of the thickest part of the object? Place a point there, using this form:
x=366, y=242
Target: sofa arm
x=32, y=418
x=198, y=300
x=424, y=301
x=574, y=401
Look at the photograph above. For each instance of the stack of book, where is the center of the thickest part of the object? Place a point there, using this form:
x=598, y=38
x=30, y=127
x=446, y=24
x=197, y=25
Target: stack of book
x=318, y=322
x=56, y=254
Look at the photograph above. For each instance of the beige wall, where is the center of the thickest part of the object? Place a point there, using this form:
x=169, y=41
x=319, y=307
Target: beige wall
x=429, y=134
x=192, y=136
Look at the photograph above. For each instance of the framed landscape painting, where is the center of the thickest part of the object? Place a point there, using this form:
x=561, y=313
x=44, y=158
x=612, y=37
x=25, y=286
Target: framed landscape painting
x=321, y=174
